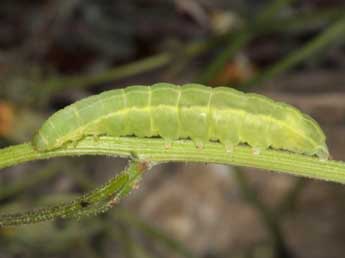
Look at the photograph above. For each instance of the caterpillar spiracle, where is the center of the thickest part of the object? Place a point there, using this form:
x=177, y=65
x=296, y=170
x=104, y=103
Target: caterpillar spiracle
x=191, y=111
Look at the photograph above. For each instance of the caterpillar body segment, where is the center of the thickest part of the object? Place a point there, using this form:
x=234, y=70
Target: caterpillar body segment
x=190, y=111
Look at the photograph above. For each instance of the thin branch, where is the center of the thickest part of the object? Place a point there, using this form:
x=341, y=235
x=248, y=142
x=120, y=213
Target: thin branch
x=242, y=38
x=267, y=216
x=97, y=201
x=155, y=233
x=155, y=150
x=333, y=33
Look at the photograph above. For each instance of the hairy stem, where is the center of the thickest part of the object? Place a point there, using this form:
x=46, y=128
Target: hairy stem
x=94, y=202
x=155, y=150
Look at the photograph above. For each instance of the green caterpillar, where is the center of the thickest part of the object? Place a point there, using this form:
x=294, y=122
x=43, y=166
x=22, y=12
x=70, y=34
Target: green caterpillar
x=190, y=111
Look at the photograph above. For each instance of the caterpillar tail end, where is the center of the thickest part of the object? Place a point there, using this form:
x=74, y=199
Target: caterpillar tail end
x=323, y=153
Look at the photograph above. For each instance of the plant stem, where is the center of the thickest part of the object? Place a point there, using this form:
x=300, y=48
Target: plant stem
x=268, y=218
x=127, y=70
x=154, y=150
x=155, y=233
x=242, y=38
x=288, y=204
x=97, y=201
x=330, y=35
x=237, y=42
x=29, y=180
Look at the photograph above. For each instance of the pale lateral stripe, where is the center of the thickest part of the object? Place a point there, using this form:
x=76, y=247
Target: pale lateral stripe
x=123, y=111
x=264, y=117
x=126, y=109
x=225, y=90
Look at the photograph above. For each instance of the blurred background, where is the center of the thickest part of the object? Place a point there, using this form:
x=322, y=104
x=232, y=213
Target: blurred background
x=54, y=52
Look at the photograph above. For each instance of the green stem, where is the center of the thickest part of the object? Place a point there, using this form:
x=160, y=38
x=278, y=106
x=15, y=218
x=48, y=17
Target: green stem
x=288, y=203
x=153, y=232
x=97, y=201
x=333, y=33
x=28, y=181
x=237, y=42
x=127, y=70
x=272, y=10
x=155, y=150
x=241, y=38
x=305, y=20
x=267, y=216
x=191, y=50
x=126, y=240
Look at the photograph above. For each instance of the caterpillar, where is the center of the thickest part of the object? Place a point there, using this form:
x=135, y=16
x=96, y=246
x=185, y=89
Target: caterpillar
x=191, y=111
